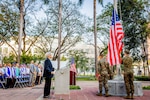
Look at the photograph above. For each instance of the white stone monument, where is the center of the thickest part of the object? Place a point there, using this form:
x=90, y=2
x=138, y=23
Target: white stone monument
x=61, y=85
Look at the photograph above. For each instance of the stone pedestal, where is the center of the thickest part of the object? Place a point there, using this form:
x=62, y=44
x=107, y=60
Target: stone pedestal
x=62, y=81
x=117, y=88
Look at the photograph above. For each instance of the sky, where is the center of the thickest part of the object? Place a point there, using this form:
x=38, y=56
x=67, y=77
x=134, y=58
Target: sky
x=87, y=7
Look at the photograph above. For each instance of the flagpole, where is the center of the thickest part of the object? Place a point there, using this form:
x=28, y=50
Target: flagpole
x=115, y=5
x=118, y=68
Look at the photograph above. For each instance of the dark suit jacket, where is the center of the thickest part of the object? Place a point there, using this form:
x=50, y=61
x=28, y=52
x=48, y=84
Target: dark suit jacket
x=48, y=68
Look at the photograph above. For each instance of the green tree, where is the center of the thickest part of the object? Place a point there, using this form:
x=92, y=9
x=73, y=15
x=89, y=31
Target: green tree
x=73, y=26
x=9, y=27
x=81, y=60
x=9, y=59
x=134, y=25
x=59, y=29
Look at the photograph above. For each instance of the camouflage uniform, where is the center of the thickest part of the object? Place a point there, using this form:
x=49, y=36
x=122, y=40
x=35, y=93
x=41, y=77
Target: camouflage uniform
x=128, y=75
x=104, y=71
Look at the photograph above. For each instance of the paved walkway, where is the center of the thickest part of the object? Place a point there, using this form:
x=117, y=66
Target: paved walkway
x=87, y=92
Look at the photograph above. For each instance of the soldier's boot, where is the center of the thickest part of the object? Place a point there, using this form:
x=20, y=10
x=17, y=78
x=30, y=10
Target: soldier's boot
x=106, y=94
x=132, y=97
x=127, y=97
x=99, y=94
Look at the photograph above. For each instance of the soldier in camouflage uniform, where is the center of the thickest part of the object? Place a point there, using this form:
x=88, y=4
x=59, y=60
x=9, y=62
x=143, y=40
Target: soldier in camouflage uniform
x=104, y=74
x=128, y=74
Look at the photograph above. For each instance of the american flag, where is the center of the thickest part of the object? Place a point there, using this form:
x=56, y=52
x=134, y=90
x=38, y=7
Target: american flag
x=115, y=42
x=73, y=67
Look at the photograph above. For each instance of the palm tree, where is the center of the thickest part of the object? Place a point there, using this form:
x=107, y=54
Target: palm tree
x=59, y=30
x=21, y=8
x=95, y=28
x=59, y=34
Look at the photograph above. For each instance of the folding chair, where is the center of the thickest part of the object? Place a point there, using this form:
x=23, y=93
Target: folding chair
x=2, y=81
x=23, y=80
x=18, y=82
x=27, y=79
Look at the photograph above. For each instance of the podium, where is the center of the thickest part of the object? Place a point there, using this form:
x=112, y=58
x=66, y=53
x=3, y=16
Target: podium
x=61, y=77
x=62, y=81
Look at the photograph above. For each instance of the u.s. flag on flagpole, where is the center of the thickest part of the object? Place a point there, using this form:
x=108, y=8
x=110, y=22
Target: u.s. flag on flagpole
x=73, y=67
x=115, y=44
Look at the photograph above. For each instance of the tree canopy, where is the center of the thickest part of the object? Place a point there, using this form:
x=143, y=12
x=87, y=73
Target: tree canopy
x=41, y=20
x=134, y=23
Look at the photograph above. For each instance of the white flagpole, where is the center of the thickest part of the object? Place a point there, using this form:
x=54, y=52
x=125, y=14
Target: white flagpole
x=118, y=68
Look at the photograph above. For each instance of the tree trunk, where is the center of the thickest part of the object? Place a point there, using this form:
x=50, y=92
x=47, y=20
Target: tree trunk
x=20, y=29
x=144, y=67
x=59, y=35
x=95, y=35
x=145, y=58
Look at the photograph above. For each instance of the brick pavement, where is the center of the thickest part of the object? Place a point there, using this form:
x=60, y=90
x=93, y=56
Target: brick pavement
x=87, y=92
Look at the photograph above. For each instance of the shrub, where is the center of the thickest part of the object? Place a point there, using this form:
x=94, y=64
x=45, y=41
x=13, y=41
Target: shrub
x=85, y=78
x=146, y=87
x=74, y=87
x=142, y=78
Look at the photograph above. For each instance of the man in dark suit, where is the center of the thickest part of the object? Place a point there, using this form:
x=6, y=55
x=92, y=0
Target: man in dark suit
x=48, y=74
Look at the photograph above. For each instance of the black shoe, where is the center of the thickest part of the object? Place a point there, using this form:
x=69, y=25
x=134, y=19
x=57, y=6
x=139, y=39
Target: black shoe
x=46, y=96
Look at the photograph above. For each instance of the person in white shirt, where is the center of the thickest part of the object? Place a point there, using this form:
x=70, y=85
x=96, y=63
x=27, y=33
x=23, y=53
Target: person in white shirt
x=32, y=73
x=28, y=70
x=13, y=69
x=9, y=76
x=4, y=69
x=22, y=70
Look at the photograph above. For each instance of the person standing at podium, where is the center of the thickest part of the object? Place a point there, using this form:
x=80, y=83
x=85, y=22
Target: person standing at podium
x=48, y=74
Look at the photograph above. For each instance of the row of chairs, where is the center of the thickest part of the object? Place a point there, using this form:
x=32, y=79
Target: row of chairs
x=20, y=81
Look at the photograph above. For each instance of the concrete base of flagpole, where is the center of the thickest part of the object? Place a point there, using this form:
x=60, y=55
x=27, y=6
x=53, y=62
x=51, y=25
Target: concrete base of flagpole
x=118, y=77
x=117, y=88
